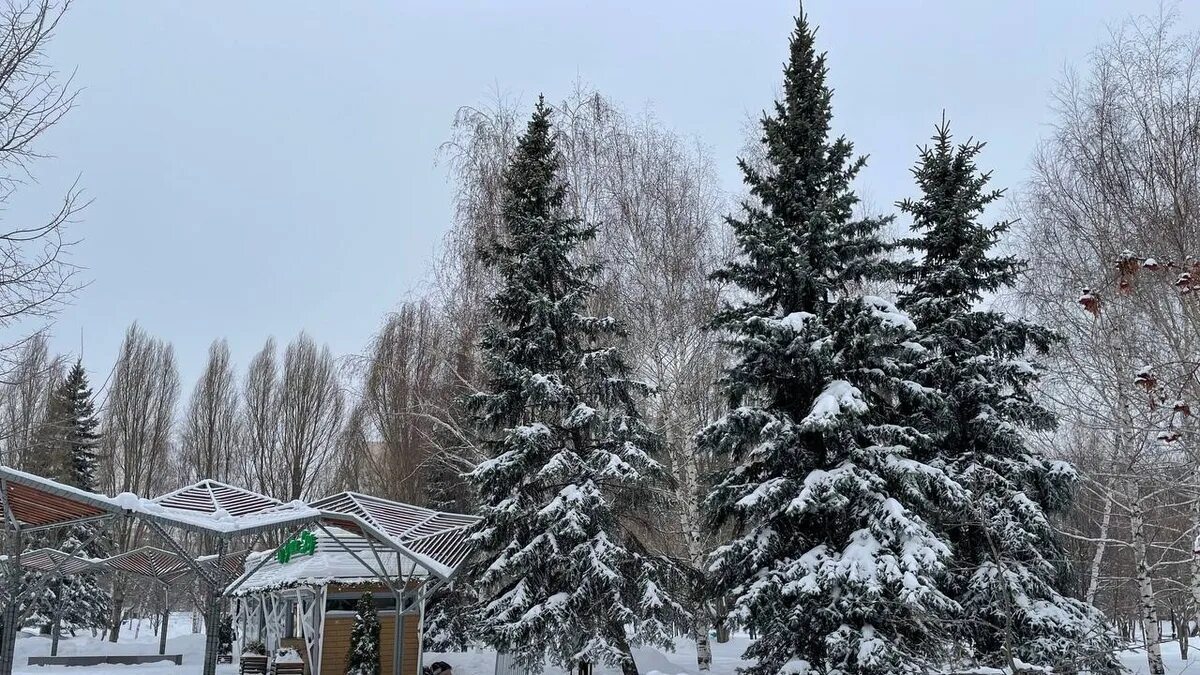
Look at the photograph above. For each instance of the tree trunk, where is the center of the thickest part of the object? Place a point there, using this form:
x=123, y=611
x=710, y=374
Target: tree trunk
x=55, y=628
x=118, y=604
x=1181, y=635
x=1145, y=588
x=628, y=665
x=1098, y=556
x=703, y=649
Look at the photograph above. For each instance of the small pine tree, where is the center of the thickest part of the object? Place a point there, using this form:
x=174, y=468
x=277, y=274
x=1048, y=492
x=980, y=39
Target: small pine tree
x=1007, y=571
x=834, y=562
x=559, y=577
x=364, y=639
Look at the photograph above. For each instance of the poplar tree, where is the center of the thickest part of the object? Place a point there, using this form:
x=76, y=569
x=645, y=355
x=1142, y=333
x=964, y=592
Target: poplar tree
x=834, y=561
x=562, y=578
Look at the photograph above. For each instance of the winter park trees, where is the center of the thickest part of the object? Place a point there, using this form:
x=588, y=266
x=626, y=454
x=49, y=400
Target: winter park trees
x=66, y=451
x=561, y=578
x=878, y=466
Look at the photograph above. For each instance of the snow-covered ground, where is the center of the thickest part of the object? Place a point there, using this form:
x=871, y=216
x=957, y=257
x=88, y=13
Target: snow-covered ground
x=1135, y=660
x=180, y=640
x=726, y=659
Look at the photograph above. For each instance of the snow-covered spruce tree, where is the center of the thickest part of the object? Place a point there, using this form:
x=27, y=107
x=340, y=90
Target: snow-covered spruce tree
x=364, y=639
x=1007, y=568
x=834, y=561
x=561, y=579
x=68, y=441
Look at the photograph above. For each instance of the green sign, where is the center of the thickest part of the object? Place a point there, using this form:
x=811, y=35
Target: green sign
x=305, y=544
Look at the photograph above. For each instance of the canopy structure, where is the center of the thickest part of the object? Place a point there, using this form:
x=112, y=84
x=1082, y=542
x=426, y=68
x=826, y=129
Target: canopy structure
x=434, y=540
x=403, y=546
x=32, y=503
x=363, y=542
x=223, y=511
x=55, y=561
x=150, y=562
x=215, y=510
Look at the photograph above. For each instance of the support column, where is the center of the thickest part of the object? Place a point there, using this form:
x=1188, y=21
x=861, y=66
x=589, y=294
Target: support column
x=166, y=619
x=398, y=634
x=212, y=614
x=11, y=614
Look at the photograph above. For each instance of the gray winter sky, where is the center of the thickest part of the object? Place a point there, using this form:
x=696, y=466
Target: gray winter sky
x=259, y=168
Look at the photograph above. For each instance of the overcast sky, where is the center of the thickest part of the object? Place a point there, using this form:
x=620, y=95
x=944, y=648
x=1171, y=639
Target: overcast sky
x=262, y=168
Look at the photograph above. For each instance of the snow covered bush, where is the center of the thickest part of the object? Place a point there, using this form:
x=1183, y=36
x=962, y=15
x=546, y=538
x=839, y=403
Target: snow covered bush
x=364, y=639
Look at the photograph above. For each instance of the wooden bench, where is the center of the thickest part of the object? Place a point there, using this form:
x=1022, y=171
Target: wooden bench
x=253, y=665
x=291, y=668
x=105, y=660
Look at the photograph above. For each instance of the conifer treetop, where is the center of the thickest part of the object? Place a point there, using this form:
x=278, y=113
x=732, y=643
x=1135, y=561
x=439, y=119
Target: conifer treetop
x=799, y=240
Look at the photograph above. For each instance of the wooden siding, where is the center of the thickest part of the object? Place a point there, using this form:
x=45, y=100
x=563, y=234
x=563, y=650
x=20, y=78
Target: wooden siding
x=336, y=641
x=336, y=645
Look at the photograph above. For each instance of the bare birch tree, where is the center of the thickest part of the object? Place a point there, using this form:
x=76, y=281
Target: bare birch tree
x=1115, y=193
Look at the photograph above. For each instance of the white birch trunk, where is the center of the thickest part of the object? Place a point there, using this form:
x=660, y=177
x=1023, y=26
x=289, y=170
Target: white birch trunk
x=1101, y=545
x=1150, y=627
x=690, y=523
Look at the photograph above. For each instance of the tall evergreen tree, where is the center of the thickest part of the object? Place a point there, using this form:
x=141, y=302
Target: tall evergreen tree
x=834, y=561
x=1006, y=571
x=561, y=578
x=68, y=441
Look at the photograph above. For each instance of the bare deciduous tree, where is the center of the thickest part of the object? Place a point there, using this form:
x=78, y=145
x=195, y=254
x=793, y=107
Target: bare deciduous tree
x=1115, y=191
x=294, y=420
x=23, y=399
x=209, y=442
x=36, y=274
x=138, y=419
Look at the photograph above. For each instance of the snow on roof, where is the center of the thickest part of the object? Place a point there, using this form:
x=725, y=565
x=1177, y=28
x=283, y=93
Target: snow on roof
x=216, y=508
x=328, y=563
x=34, y=501
x=210, y=496
x=435, y=540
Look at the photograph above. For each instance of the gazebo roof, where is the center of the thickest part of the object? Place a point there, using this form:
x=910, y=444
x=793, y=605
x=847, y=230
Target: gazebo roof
x=212, y=507
x=149, y=562
x=54, y=560
x=33, y=502
x=436, y=540
x=329, y=562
